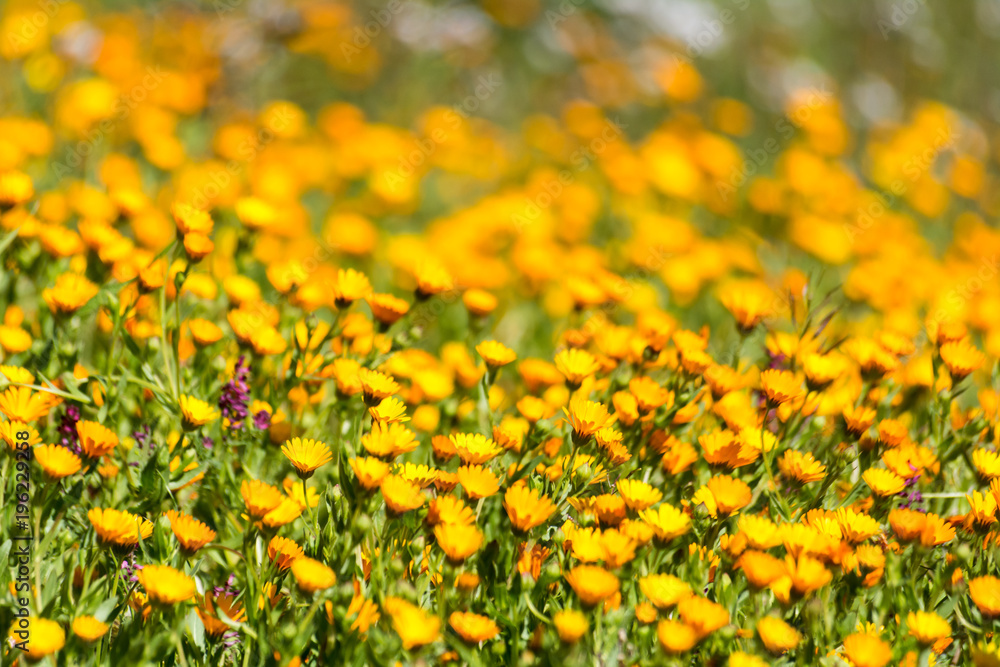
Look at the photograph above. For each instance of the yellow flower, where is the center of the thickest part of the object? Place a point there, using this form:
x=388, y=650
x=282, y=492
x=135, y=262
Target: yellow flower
x=196, y=412
x=70, y=293
x=432, y=278
x=667, y=521
x=165, y=585
x=458, y=541
x=389, y=440
x=664, y=590
x=592, y=584
x=475, y=448
x=57, y=461
x=23, y=405
x=576, y=365
x=312, y=575
x=204, y=332
x=389, y=410
x=587, y=417
x=780, y=386
x=16, y=188
x=883, y=482
x=369, y=471
x=527, y=508
x=306, y=455
x=730, y=494
x=473, y=627
x=801, y=467
x=761, y=568
x=449, y=509
x=39, y=637
x=376, y=386
x=495, y=354
x=119, y=528
x=985, y=592
x=638, y=495
x=89, y=628
x=209, y=613
x=289, y=510
x=400, y=494
x=387, y=308
x=675, y=636
x=478, y=481
x=749, y=301
x=479, y=302
x=351, y=285
x=987, y=463
x=95, y=440
x=867, y=650
x=259, y=497
x=702, y=615
x=190, y=219
x=740, y=659
x=571, y=625
x=983, y=508
x=927, y=627
x=414, y=626
x=778, y=636
x=283, y=552
x=191, y=533
x=961, y=358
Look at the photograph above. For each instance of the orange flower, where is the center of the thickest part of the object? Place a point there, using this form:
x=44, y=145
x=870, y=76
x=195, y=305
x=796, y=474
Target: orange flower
x=780, y=386
x=867, y=650
x=985, y=592
x=592, y=584
x=527, y=508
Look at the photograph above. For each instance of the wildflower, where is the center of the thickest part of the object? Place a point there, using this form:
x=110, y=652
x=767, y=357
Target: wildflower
x=778, y=636
x=289, y=510
x=369, y=471
x=858, y=419
x=801, y=467
x=740, y=659
x=204, y=332
x=120, y=528
x=16, y=188
x=667, y=521
x=675, y=636
x=760, y=531
x=807, y=574
x=214, y=606
x=987, y=463
x=190, y=219
x=571, y=625
x=70, y=293
x=351, y=285
x=985, y=592
x=576, y=365
x=927, y=627
x=196, y=413
x=478, y=481
x=165, y=585
x=89, y=629
x=401, y=495
x=414, y=626
x=191, y=533
x=961, y=359
x=983, y=508
x=475, y=448
x=312, y=575
x=780, y=386
x=527, y=508
x=449, y=509
x=259, y=497
x=761, y=568
x=749, y=302
x=479, y=303
x=892, y=432
x=389, y=411
x=730, y=494
x=856, y=527
x=386, y=308
x=664, y=590
x=592, y=584
x=57, y=461
x=587, y=418
x=306, y=455
x=23, y=405
x=283, y=552
x=867, y=650
x=376, y=386
x=883, y=482
x=702, y=615
x=236, y=395
x=41, y=637
x=638, y=495
x=907, y=524
x=458, y=541
x=495, y=354
x=473, y=627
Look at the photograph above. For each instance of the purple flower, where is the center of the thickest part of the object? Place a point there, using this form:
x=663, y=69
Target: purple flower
x=236, y=395
x=67, y=429
x=143, y=437
x=262, y=420
x=207, y=442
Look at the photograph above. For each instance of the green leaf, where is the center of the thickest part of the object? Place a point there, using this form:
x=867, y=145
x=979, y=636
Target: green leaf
x=8, y=239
